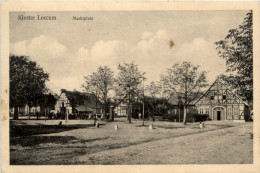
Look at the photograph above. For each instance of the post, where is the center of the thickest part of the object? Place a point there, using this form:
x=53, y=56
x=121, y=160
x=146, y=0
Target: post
x=45, y=107
x=184, y=114
x=66, y=116
x=179, y=106
x=143, y=101
x=129, y=108
x=96, y=103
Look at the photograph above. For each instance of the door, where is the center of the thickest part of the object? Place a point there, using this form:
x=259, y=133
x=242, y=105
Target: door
x=218, y=115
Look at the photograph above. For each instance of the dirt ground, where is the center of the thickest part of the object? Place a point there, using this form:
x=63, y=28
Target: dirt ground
x=79, y=142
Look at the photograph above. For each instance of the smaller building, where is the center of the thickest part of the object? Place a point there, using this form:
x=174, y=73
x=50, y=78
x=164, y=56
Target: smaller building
x=75, y=102
x=121, y=109
x=177, y=107
x=26, y=110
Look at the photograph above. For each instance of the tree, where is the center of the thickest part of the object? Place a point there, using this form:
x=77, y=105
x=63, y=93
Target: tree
x=153, y=89
x=100, y=83
x=184, y=81
x=237, y=50
x=156, y=106
x=27, y=82
x=128, y=84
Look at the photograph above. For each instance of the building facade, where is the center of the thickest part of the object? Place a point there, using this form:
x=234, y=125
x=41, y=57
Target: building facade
x=26, y=110
x=63, y=104
x=121, y=109
x=220, y=103
x=74, y=102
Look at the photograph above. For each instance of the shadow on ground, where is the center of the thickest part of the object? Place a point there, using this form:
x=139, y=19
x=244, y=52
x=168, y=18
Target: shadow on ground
x=37, y=140
x=28, y=130
x=31, y=141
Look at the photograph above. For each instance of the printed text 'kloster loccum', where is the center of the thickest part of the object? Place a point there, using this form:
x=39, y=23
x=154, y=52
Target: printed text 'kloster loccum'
x=37, y=17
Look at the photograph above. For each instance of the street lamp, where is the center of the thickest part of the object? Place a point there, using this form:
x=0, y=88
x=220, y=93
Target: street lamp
x=129, y=106
x=45, y=106
x=143, y=100
x=67, y=112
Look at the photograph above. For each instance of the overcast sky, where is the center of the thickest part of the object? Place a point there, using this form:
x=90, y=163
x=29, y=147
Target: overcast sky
x=71, y=49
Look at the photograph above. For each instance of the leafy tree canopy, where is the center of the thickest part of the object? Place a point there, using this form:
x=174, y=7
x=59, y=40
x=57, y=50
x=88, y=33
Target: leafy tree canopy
x=237, y=50
x=129, y=81
x=100, y=83
x=27, y=81
x=184, y=81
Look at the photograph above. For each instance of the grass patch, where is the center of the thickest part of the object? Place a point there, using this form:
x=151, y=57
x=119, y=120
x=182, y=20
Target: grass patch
x=169, y=127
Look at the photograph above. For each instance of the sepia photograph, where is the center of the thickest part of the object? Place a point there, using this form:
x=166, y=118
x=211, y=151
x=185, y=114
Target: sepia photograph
x=130, y=87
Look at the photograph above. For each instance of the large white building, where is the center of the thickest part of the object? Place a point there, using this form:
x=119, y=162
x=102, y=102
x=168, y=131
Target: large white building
x=220, y=103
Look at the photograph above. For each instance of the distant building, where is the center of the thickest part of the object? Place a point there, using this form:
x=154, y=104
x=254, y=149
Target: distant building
x=177, y=108
x=121, y=109
x=25, y=110
x=74, y=102
x=220, y=103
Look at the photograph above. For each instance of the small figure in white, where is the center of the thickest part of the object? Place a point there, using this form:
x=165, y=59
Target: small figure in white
x=151, y=126
x=202, y=126
x=116, y=127
x=140, y=116
x=97, y=125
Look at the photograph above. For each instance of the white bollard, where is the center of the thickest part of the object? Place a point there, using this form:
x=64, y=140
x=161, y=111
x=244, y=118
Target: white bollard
x=151, y=126
x=116, y=127
x=202, y=126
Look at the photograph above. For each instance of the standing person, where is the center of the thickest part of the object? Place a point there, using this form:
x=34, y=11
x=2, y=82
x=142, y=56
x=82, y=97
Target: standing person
x=95, y=119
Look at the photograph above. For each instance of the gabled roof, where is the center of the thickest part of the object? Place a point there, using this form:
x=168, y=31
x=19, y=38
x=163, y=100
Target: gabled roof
x=223, y=83
x=175, y=100
x=83, y=108
x=76, y=97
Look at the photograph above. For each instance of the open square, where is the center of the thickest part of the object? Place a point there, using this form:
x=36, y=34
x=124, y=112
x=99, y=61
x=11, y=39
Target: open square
x=130, y=87
x=80, y=142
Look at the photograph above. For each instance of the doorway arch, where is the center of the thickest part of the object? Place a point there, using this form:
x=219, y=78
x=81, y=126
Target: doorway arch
x=219, y=113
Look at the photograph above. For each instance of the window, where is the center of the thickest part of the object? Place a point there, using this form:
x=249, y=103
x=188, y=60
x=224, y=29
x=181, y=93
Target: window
x=236, y=110
x=229, y=111
x=211, y=97
x=201, y=110
x=224, y=97
x=207, y=111
x=81, y=102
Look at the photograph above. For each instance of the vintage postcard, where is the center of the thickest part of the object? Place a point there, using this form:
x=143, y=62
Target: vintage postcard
x=130, y=87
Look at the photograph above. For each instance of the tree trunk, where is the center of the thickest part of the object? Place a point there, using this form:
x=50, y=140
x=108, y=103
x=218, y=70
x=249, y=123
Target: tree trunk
x=111, y=113
x=184, y=114
x=129, y=114
x=29, y=113
x=112, y=116
x=104, y=108
x=16, y=113
x=153, y=113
